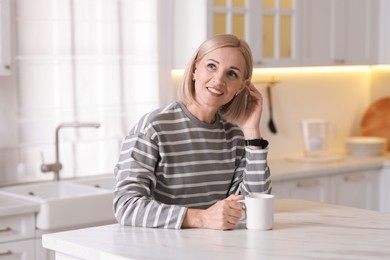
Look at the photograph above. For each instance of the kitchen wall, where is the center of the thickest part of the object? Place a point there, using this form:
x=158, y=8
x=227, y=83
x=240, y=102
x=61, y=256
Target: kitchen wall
x=380, y=85
x=339, y=95
x=82, y=61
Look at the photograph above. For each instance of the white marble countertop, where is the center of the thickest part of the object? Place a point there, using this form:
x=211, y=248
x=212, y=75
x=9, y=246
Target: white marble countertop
x=302, y=230
x=283, y=169
x=11, y=206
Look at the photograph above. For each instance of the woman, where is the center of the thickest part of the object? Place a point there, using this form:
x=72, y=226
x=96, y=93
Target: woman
x=187, y=164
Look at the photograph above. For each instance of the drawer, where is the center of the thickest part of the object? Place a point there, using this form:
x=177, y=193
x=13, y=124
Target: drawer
x=17, y=227
x=18, y=250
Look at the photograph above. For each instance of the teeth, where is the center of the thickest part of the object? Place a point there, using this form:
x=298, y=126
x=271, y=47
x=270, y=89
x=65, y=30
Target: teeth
x=215, y=91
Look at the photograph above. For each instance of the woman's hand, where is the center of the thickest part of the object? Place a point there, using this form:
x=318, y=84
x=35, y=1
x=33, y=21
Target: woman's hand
x=223, y=215
x=250, y=124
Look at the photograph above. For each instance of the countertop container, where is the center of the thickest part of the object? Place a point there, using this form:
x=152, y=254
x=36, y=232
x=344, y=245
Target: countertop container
x=366, y=146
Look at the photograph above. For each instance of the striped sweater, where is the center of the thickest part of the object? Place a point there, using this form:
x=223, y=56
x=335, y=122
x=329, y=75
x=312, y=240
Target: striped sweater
x=171, y=161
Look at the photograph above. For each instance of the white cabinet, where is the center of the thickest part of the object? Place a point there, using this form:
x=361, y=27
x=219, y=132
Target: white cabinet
x=384, y=32
x=17, y=227
x=5, y=50
x=18, y=250
x=270, y=27
x=356, y=189
x=42, y=253
x=274, y=32
x=340, y=32
x=287, y=32
x=277, y=189
x=17, y=237
x=384, y=190
x=316, y=189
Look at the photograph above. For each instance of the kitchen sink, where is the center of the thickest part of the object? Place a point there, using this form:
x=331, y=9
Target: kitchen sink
x=107, y=183
x=65, y=204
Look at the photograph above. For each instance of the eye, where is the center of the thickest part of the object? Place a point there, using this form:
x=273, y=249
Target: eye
x=211, y=66
x=232, y=73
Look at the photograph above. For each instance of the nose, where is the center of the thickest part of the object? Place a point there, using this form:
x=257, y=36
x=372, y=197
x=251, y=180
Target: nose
x=218, y=78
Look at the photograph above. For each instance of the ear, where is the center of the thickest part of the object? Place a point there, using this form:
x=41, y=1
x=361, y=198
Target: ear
x=194, y=74
x=244, y=85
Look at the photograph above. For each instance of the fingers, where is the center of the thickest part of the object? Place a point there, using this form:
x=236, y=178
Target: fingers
x=233, y=212
x=223, y=215
x=254, y=91
x=235, y=197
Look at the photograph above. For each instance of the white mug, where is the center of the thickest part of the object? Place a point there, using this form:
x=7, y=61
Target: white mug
x=259, y=211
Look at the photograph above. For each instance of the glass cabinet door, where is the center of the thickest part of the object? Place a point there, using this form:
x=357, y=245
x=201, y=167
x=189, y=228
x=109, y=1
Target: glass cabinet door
x=229, y=16
x=269, y=26
x=277, y=26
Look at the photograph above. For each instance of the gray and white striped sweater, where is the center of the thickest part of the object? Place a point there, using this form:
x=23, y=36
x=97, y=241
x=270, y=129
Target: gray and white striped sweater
x=171, y=161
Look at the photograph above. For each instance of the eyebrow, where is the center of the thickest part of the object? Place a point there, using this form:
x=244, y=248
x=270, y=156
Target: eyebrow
x=232, y=67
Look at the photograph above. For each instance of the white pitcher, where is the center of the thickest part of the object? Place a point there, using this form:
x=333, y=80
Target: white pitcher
x=315, y=136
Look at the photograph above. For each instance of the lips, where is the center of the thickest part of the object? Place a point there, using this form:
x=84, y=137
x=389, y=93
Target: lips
x=214, y=91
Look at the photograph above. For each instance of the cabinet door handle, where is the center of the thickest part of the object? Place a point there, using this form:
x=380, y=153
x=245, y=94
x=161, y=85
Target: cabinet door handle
x=339, y=61
x=5, y=253
x=307, y=184
x=354, y=177
x=6, y=229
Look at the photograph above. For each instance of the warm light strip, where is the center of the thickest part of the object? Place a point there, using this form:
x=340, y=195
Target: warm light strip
x=177, y=72
x=380, y=67
x=332, y=69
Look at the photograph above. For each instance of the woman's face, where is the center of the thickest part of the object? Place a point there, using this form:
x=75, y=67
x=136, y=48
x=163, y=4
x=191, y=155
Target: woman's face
x=219, y=76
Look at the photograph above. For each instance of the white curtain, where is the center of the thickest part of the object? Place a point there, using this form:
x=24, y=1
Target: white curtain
x=104, y=61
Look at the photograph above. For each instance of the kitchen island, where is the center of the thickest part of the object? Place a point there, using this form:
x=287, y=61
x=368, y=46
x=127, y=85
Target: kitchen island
x=302, y=230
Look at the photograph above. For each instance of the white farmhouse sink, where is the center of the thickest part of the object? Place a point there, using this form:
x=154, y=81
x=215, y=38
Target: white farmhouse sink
x=66, y=204
x=104, y=182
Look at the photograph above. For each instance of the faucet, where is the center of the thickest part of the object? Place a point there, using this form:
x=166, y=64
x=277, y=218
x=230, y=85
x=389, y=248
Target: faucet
x=57, y=166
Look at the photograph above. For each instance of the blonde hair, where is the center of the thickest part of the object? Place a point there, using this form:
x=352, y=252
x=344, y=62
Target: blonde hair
x=241, y=105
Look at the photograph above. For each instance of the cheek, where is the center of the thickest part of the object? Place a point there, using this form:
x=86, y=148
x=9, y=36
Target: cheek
x=201, y=75
x=237, y=87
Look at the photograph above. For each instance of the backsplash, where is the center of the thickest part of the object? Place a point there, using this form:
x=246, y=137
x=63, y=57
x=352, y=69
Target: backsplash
x=338, y=94
x=340, y=98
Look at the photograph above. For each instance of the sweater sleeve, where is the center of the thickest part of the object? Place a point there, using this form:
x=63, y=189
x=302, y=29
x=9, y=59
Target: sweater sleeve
x=134, y=204
x=253, y=173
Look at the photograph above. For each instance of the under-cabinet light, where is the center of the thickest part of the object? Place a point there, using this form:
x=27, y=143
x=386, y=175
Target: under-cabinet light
x=177, y=73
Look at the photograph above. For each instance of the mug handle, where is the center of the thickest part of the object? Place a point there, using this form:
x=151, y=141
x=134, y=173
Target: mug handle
x=243, y=217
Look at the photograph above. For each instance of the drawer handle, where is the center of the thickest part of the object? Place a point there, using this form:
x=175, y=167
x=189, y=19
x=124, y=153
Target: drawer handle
x=8, y=252
x=308, y=184
x=6, y=229
x=354, y=177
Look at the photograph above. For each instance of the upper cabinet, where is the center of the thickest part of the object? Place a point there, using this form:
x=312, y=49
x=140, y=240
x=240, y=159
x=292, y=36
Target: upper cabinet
x=269, y=26
x=384, y=32
x=284, y=32
x=339, y=32
x=5, y=55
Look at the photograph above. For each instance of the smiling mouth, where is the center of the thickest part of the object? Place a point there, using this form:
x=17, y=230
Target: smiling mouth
x=214, y=91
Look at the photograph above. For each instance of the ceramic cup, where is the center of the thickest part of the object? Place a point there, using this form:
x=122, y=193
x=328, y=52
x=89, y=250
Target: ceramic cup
x=259, y=211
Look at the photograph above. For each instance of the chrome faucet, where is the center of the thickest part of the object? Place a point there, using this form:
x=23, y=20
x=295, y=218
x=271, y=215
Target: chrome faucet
x=57, y=166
